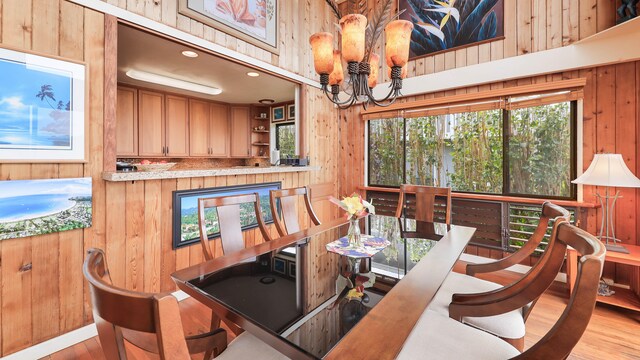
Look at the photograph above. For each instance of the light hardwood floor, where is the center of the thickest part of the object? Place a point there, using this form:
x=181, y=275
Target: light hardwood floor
x=612, y=333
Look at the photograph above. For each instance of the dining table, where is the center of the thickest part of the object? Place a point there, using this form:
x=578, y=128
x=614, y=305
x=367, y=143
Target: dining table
x=305, y=301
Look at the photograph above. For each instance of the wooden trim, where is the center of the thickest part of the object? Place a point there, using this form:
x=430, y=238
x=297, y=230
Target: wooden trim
x=110, y=92
x=501, y=198
x=460, y=98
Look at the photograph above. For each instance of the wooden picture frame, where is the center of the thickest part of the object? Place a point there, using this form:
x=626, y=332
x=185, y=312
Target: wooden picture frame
x=45, y=114
x=277, y=114
x=259, y=16
x=291, y=112
x=279, y=266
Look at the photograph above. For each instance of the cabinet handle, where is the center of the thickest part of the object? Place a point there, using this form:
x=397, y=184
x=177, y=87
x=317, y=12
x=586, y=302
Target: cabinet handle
x=167, y=152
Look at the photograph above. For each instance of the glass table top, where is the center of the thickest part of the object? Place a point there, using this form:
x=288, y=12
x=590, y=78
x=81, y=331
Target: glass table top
x=309, y=297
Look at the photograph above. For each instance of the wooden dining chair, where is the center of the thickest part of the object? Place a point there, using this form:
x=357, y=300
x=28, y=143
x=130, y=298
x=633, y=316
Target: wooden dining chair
x=149, y=321
x=153, y=323
x=502, y=311
x=442, y=337
x=229, y=222
x=508, y=324
x=426, y=205
x=289, y=222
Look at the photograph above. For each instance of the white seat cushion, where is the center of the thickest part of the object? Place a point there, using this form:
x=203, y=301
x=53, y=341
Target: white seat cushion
x=436, y=336
x=249, y=347
x=509, y=325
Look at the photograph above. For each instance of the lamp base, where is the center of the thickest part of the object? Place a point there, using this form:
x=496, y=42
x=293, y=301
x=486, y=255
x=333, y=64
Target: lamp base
x=616, y=248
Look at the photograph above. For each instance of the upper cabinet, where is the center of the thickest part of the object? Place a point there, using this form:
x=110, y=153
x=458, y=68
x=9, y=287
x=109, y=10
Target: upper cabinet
x=240, y=131
x=176, y=126
x=127, y=122
x=154, y=124
x=150, y=124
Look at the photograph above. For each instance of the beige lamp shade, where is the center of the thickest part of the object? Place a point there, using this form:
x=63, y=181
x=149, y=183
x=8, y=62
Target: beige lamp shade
x=337, y=75
x=398, y=34
x=608, y=170
x=353, y=30
x=322, y=48
x=374, y=64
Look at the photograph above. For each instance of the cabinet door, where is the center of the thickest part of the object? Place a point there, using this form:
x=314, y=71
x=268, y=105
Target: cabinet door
x=150, y=123
x=219, y=133
x=177, y=126
x=240, y=126
x=127, y=122
x=199, y=128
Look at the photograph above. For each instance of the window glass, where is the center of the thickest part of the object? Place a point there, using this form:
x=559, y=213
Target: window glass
x=539, y=154
x=386, y=152
x=286, y=140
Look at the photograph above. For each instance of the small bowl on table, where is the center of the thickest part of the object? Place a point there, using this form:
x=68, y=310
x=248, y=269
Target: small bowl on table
x=154, y=167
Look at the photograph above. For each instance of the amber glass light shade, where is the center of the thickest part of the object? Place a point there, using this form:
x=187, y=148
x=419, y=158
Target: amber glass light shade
x=374, y=63
x=402, y=75
x=398, y=34
x=322, y=47
x=353, y=29
x=336, y=76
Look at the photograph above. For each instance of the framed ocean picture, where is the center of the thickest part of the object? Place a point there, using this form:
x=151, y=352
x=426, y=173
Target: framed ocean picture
x=278, y=113
x=42, y=103
x=185, y=211
x=254, y=21
x=441, y=25
x=36, y=207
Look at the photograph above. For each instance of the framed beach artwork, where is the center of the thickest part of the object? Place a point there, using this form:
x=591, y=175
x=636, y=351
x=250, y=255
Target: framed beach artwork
x=447, y=24
x=291, y=112
x=36, y=207
x=254, y=21
x=42, y=103
x=277, y=113
x=185, y=211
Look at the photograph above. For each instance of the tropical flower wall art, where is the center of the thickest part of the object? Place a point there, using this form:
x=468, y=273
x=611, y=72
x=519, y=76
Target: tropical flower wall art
x=446, y=24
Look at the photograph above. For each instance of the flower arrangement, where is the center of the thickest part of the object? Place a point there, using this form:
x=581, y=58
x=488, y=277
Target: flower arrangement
x=354, y=206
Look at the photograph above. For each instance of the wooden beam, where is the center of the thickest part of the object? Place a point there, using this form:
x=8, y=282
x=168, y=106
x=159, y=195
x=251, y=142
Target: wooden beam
x=110, y=91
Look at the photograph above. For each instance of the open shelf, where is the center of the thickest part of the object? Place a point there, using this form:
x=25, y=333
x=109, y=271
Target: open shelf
x=260, y=118
x=624, y=298
x=261, y=131
x=260, y=144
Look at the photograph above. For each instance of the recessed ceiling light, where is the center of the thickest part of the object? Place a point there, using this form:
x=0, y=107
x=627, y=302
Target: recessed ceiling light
x=189, y=53
x=253, y=74
x=266, y=101
x=171, y=82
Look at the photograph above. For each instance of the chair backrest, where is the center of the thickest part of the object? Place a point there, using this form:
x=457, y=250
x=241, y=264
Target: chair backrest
x=229, y=222
x=567, y=331
x=425, y=201
x=289, y=223
x=115, y=309
x=549, y=212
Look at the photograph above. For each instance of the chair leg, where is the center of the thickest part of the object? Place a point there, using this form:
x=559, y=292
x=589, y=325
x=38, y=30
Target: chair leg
x=111, y=340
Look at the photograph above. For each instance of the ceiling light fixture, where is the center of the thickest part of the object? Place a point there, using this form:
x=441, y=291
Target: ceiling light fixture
x=189, y=53
x=253, y=74
x=266, y=101
x=357, y=50
x=171, y=82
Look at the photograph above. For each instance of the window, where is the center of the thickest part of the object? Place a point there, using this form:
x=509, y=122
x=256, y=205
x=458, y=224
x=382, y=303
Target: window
x=525, y=151
x=286, y=139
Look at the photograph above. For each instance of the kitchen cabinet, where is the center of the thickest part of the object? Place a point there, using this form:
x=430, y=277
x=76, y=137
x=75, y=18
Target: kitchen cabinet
x=151, y=124
x=127, y=122
x=176, y=126
x=209, y=129
x=240, y=131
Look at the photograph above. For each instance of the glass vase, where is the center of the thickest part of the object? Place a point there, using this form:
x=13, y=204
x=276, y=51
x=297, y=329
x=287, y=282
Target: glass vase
x=353, y=235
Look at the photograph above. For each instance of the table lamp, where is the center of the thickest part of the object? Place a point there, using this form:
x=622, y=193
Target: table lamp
x=608, y=170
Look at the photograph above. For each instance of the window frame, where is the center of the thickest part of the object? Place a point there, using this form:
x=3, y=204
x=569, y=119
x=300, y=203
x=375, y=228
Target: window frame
x=573, y=119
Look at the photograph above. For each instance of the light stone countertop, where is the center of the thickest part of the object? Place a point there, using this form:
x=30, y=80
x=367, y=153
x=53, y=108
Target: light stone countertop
x=176, y=174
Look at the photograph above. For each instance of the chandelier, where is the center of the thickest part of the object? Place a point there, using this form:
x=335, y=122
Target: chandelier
x=362, y=64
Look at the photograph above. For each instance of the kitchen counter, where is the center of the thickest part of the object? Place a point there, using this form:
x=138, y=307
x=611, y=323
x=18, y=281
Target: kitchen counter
x=176, y=174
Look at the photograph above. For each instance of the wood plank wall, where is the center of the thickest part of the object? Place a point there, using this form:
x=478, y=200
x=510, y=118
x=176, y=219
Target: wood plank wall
x=132, y=221
x=297, y=20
